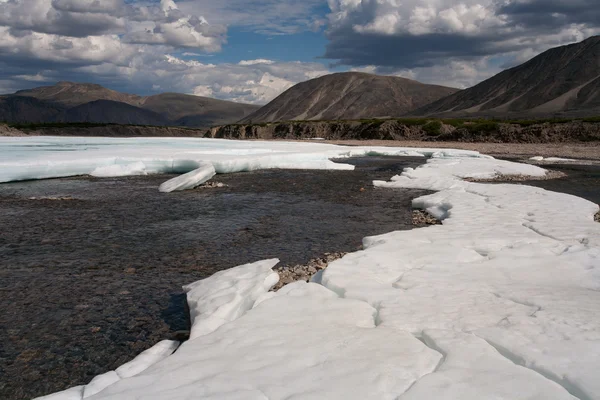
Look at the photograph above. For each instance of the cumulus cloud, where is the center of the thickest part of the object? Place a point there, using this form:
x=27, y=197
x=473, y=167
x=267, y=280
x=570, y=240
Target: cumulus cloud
x=270, y=17
x=423, y=33
x=130, y=46
x=42, y=16
x=161, y=23
x=255, y=62
x=175, y=28
x=256, y=83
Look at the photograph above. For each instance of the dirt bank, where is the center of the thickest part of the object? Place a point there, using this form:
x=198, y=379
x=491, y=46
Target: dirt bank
x=487, y=131
x=6, y=130
x=420, y=130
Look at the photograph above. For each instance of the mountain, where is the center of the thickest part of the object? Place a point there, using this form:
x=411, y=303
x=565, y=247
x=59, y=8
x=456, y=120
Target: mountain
x=87, y=102
x=562, y=81
x=27, y=110
x=190, y=110
x=349, y=95
x=70, y=94
x=103, y=111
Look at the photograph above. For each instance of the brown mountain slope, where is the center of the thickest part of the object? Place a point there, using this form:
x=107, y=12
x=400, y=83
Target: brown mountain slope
x=114, y=112
x=349, y=95
x=190, y=110
x=70, y=94
x=95, y=103
x=561, y=81
x=27, y=110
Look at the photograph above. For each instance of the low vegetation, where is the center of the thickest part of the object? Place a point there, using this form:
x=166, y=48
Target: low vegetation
x=434, y=125
x=433, y=128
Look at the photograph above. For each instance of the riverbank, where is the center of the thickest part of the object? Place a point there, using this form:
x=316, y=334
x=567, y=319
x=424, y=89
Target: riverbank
x=461, y=131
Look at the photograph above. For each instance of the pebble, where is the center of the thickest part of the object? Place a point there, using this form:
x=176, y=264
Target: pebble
x=520, y=178
x=211, y=185
x=423, y=218
x=305, y=272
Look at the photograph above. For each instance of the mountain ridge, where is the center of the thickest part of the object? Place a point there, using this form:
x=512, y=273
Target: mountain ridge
x=89, y=102
x=348, y=95
x=562, y=81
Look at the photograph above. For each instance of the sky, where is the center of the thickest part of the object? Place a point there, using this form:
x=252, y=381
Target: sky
x=251, y=51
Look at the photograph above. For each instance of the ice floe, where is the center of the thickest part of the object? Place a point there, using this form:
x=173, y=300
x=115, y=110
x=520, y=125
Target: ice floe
x=552, y=159
x=27, y=158
x=502, y=301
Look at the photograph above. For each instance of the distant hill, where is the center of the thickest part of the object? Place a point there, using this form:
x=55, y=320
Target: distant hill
x=27, y=109
x=563, y=81
x=71, y=94
x=190, y=110
x=86, y=102
x=349, y=95
x=103, y=111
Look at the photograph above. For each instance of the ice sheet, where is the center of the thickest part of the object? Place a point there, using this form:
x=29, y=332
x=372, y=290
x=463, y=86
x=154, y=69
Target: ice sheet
x=27, y=158
x=501, y=302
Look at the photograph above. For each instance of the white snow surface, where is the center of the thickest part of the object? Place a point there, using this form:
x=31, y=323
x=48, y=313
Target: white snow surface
x=27, y=158
x=502, y=301
x=553, y=159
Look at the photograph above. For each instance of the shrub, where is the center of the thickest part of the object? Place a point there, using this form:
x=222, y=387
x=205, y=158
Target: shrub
x=482, y=126
x=433, y=128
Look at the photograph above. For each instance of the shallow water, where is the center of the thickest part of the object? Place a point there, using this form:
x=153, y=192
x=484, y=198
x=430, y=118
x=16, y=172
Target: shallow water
x=89, y=282
x=581, y=181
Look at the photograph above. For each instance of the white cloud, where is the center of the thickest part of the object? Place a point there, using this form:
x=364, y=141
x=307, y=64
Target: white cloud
x=256, y=62
x=415, y=17
x=271, y=17
x=34, y=78
x=414, y=34
x=248, y=83
x=172, y=27
x=191, y=54
x=161, y=24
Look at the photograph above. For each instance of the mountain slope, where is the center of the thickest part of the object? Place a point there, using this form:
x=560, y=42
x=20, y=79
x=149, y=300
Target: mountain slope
x=27, y=110
x=86, y=102
x=190, y=110
x=349, y=95
x=107, y=111
x=563, y=80
x=70, y=94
